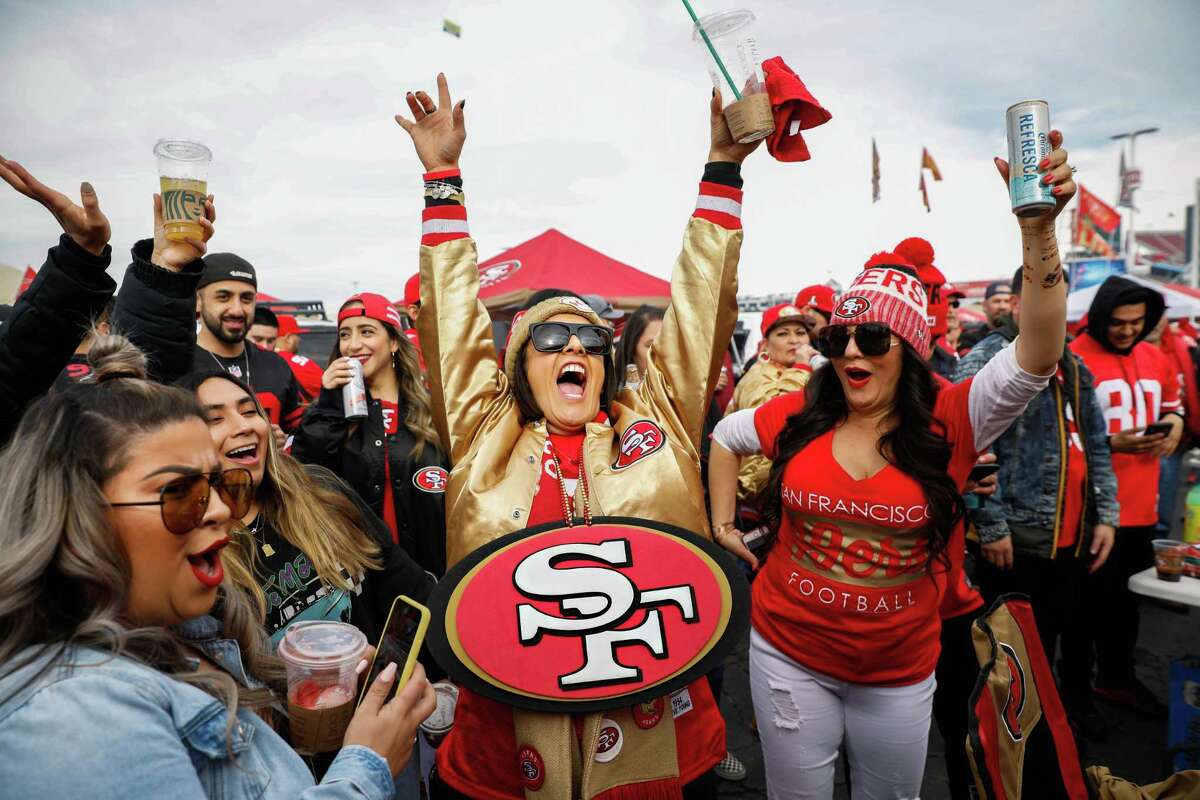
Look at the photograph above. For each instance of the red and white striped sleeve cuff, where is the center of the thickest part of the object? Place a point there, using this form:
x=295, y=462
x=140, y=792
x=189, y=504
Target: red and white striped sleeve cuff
x=1172, y=405
x=720, y=205
x=443, y=224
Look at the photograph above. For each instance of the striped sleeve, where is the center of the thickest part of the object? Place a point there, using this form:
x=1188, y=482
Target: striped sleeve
x=720, y=205
x=444, y=218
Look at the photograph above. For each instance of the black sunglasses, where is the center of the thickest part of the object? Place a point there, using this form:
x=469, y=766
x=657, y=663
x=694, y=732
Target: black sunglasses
x=550, y=337
x=872, y=338
x=184, y=501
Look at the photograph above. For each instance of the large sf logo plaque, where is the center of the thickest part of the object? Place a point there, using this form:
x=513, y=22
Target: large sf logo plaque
x=588, y=618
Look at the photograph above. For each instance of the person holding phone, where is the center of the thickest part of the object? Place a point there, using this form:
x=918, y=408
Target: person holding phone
x=869, y=464
x=118, y=631
x=535, y=439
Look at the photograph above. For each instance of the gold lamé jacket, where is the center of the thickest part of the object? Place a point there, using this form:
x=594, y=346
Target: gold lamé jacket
x=498, y=460
x=764, y=381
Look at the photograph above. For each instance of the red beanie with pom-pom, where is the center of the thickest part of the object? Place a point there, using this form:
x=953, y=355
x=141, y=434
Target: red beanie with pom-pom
x=919, y=253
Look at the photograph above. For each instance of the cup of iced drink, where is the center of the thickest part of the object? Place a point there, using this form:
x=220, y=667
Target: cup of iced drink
x=731, y=34
x=183, y=181
x=320, y=658
x=1168, y=559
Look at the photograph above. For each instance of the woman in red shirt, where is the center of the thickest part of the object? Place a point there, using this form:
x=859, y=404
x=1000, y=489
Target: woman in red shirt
x=869, y=466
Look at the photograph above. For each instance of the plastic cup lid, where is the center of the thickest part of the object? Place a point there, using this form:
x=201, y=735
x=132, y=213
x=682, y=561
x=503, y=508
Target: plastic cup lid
x=723, y=22
x=318, y=644
x=182, y=150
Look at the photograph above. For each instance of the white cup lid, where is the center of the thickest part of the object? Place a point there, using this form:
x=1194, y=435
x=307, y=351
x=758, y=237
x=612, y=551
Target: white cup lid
x=316, y=644
x=182, y=150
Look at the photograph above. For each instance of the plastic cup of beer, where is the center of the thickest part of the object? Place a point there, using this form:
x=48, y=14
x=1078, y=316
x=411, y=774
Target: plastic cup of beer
x=731, y=34
x=320, y=658
x=1168, y=559
x=183, y=180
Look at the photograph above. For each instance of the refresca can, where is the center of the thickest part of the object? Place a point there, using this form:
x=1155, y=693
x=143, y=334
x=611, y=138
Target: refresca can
x=439, y=723
x=1028, y=125
x=354, y=393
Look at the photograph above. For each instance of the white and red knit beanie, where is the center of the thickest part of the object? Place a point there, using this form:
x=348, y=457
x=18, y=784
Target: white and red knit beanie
x=883, y=294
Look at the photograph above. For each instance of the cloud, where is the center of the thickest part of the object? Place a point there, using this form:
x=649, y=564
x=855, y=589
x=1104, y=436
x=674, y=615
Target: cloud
x=589, y=118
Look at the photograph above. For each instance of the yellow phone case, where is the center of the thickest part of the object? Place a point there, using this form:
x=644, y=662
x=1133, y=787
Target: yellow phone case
x=410, y=663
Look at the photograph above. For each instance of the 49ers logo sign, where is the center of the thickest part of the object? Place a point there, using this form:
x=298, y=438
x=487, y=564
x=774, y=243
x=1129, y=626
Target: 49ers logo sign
x=431, y=479
x=588, y=618
x=494, y=273
x=641, y=439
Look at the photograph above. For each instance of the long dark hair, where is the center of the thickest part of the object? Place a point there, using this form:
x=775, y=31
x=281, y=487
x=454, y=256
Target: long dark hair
x=633, y=331
x=916, y=445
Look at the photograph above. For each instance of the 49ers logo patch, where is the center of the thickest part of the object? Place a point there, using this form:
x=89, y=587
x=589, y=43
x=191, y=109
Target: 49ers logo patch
x=612, y=615
x=1014, y=703
x=640, y=440
x=533, y=769
x=431, y=479
x=852, y=306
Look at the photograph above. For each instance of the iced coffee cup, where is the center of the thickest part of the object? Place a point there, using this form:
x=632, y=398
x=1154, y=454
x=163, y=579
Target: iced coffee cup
x=320, y=658
x=183, y=180
x=1168, y=559
x=736, y=64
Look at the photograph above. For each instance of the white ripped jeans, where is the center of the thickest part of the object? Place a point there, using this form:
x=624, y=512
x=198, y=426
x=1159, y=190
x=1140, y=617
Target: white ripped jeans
x=803, y=717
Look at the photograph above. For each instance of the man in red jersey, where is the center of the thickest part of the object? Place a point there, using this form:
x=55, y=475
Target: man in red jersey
x=307, y=371
x=1136, y=387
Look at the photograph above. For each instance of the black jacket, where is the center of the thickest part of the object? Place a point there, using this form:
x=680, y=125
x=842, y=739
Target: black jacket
x=1118, y=291
x=47, y=323
x=156, y=309
x=354, y=451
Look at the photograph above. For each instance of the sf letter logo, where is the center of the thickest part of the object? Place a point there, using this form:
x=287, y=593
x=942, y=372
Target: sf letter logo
x=593, y=602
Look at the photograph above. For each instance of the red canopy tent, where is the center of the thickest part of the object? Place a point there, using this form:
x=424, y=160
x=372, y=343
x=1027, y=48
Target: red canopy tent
x=552, y=259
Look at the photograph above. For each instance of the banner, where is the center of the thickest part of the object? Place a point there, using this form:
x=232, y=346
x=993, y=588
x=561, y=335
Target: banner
x=928, y=163
x=1102, y=215
x=588, y=618
x=1097, y=225
x=1091, y=271
x=874, y=172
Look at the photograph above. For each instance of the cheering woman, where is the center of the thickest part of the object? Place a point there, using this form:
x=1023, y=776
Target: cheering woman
x=122, y=650
x=391, y=457
x=868, y=468
x=537, y=439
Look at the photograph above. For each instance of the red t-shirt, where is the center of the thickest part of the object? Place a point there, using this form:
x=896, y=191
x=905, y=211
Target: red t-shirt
x=479, y=756
x=1134, y=390
x=391, y=425
x=847, y=590
x=1068, y=533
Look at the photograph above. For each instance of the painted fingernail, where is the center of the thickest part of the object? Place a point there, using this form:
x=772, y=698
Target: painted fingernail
x=1045, y=165
x=389, y=673
x=1048, y=179
x=362, y=665
x=87, y=187
x=463, y=104
x=1057, y=190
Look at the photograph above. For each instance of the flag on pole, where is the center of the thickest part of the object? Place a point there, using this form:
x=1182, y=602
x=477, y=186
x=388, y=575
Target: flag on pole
x=1097, y=225
x=452, y=28
x=1129, y=179
x=928, y=163
x=924, y=192
x=874, y=172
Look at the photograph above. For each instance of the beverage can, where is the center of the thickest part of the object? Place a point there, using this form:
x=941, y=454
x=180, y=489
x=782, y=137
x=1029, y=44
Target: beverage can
x=1191, y=523
x=354, y=393
x=439, y=723
x=1028, y=125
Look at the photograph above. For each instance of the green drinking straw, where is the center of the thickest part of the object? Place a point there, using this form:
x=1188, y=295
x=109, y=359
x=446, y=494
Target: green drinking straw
x=704, y=35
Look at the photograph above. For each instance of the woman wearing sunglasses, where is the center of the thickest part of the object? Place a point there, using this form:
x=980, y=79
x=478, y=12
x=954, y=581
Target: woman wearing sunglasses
x=307, y=547
x=392, y=458
x=128, y=666
x=546, y=437
x=869, y=464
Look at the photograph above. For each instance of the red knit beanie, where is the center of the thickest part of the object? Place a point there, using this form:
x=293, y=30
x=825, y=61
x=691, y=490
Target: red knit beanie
x=887, y=295
x=919, y=253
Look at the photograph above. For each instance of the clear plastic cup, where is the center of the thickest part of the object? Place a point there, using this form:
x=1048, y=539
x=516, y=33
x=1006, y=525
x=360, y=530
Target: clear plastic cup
x=320, y=658
x=731, y=34
x=1168, y=559
x=183, y=180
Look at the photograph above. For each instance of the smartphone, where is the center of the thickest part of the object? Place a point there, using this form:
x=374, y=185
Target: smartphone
x=981, y=471
x=1157, y=427
x=400, y=642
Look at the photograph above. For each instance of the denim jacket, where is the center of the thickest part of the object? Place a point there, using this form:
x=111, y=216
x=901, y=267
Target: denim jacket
x=95, y=725
x=1030, y=454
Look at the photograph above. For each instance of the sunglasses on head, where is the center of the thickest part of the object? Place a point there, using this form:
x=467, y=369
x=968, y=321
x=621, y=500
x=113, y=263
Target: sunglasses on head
x=550, y=337
x=184, y=501
x=872, y=338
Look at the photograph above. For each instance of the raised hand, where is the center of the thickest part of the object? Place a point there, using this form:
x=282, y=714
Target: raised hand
x=174, y=255
x=85, y=224
x=722, y=146
x=437, y=129
x=1054, y=170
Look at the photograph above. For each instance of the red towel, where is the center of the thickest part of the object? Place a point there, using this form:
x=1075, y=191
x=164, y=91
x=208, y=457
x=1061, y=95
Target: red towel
x=795, y=110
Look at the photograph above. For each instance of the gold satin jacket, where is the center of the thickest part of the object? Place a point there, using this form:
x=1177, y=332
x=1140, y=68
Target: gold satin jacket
x=762, y=382
x=498, y=460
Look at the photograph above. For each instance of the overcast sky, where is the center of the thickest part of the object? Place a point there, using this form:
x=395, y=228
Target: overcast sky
x=587, y=117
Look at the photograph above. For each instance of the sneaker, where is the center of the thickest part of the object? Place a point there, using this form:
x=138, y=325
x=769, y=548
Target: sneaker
x=1086, y=720
x=730, y=768
x=1132, y=694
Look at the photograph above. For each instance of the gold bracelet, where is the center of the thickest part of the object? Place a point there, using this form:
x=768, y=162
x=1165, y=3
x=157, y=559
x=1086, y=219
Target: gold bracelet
x=723, y=527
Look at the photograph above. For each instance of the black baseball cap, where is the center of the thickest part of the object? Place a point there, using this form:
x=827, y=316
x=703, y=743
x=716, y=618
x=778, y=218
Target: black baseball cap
x=997, y=287
x=227, y=267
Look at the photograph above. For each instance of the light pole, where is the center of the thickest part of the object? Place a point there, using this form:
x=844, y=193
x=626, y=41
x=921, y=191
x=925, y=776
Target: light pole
x=1130, y=236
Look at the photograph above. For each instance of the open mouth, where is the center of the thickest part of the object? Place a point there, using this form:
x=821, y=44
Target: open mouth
x=572, y=380
x=857, y=377
x=247, y=454
x=206, y=565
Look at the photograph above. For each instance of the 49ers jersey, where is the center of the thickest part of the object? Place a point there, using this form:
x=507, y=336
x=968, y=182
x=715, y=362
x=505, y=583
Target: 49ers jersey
x=1134, y=390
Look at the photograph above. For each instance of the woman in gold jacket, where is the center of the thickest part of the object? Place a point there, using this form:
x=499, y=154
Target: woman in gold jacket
x=514, y=431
